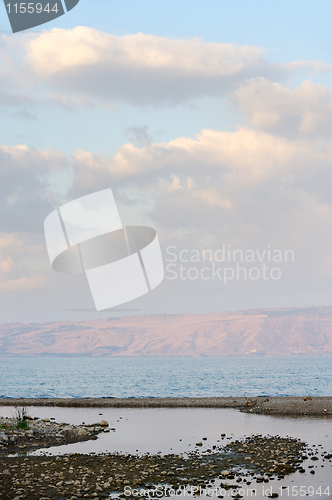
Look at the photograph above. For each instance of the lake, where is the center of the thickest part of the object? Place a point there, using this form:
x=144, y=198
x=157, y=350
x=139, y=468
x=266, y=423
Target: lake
x=76, y=377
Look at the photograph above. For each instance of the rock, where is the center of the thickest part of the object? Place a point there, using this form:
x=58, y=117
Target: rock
x=46, y=420
x=104, y=423
x=308, y=398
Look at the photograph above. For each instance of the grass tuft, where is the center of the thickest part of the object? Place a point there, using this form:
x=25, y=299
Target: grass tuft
x=21, y=416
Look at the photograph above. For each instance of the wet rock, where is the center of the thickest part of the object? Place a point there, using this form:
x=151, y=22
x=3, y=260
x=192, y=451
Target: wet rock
x=42, y=433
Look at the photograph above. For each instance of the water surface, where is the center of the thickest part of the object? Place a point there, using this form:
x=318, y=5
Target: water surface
x=165, y=377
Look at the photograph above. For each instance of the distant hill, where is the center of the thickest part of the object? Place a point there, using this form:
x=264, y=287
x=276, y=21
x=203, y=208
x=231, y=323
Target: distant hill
x=289, y=331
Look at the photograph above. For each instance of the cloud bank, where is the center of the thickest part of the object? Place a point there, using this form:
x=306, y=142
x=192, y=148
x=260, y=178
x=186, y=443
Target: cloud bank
x=84, y=66
x=266, y=182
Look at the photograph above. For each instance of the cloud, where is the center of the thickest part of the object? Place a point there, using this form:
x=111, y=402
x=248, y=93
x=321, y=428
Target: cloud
x=138, y=136
x=23, y=262
x=270, y=106
x=242, y=179
x=25, y=193
x=90, y=66
x=15, y=80
x=7, y=265
x=87, y=68
x=24, y=283
x=246, y=188
x=245, y=184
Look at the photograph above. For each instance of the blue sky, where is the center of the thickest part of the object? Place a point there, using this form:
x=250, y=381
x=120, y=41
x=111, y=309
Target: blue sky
x=211, y=122
x=293, y=30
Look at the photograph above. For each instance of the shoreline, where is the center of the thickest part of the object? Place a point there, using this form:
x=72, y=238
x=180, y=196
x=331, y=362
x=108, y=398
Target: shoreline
x=316, y=406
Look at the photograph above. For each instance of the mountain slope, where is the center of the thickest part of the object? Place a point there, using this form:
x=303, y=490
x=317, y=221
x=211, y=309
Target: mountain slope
x=306, y=330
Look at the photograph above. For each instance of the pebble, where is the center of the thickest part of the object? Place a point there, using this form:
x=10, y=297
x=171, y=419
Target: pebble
x=90, y=476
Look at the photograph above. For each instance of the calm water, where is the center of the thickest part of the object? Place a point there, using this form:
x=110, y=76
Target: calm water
x=164, y=377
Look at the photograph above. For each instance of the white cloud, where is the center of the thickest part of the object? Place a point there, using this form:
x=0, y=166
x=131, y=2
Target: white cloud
x=90, y=67
x=58, y=51
x=306, y=109
x=7, y=265
x=84, y=67
x=25, y=193
x=235, y=176
x=250, y=187
x=245, y=185
x=246, y=188
x=24, y=283
x=20, y=248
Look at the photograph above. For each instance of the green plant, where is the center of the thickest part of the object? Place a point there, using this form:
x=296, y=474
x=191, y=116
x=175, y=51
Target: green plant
x=5, y=426
x=21, y=417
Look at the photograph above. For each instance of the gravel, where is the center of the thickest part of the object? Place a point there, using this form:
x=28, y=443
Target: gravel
x=248, y=461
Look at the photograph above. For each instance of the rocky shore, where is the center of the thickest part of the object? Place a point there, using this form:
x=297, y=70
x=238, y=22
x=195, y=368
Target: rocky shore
x=42, y=433
x=320, y=406
x=235, y=465
x=229, y=465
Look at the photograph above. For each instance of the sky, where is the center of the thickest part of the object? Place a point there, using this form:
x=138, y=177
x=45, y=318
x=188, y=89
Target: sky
x=211, y=123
